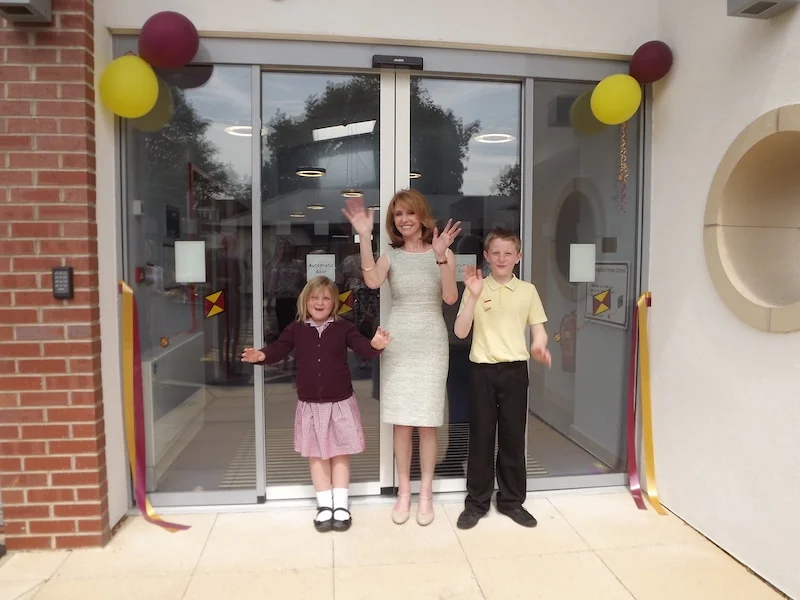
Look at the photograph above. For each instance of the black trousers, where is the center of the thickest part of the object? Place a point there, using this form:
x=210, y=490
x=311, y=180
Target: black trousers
x=499, y=405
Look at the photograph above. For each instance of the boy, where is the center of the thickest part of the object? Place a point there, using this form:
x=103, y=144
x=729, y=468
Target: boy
x=500, y=308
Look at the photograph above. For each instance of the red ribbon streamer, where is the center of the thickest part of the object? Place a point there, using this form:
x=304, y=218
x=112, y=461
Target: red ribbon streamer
x=134, y=410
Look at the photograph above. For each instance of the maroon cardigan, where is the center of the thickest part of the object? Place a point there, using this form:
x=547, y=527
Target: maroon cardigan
x=323, y=374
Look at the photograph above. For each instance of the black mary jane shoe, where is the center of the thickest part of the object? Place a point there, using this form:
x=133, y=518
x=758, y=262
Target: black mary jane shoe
x=326, y=525
x=339, y=525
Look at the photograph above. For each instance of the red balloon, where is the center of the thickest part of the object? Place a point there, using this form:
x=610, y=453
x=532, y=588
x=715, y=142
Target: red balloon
x=651, y=62
x=168, y=40
x=188, y=77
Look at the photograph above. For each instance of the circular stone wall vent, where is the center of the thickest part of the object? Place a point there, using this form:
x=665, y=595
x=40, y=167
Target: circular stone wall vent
x=752, y=223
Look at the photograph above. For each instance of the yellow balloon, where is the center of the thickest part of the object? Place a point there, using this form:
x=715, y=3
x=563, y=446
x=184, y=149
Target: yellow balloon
x=129, y=87
x=583, y=120
x=616, y=99
x=161, y=113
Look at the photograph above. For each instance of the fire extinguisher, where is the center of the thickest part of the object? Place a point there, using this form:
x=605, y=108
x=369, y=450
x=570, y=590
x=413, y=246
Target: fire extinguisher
x=568, y=338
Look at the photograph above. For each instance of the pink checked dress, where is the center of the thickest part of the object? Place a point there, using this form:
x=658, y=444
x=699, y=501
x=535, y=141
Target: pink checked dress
x=326, y=429
x=327, y=419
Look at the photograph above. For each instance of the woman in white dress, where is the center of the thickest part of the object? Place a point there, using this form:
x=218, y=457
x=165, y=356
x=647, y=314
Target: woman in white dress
x=421, y=271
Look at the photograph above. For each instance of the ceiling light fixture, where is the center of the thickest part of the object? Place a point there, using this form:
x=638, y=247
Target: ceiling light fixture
x=310, y=172
x=414, y=175
x=374, y=208
x=340, y=131
x=242, y=131
x=352, y=193
x=297, y=215
x=494, y=138
x=315, y=206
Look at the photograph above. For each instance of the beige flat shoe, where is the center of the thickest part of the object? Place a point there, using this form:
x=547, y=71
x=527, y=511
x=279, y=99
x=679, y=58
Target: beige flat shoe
x=399, y=517
x=425, y=518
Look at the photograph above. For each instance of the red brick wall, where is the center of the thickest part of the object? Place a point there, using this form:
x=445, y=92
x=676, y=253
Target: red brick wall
x=52, y=443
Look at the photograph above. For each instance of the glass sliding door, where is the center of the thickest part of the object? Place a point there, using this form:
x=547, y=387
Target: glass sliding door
x=234, y=202
x=189, y=260
x=321, y=144
x=585, y=192
x=464, y=156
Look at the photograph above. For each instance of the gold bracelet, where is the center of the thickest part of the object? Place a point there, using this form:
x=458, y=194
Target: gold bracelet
x=370, y=269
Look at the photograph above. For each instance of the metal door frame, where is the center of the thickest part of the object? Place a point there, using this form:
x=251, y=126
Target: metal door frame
x=352, y=58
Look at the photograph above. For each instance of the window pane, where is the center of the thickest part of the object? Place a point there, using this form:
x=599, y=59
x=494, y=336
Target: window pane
x=465, y=158
x=189, y=200
x=321, y=143
x=578, y=407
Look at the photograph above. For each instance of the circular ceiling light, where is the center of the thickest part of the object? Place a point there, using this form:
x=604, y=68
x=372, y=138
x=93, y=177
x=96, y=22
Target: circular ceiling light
x=414, y=175
x=352, y=193
x=494, y=138
x=310, y=172
x=374, y=207
x=297, y=215
x=242, y=131
x=315, y=206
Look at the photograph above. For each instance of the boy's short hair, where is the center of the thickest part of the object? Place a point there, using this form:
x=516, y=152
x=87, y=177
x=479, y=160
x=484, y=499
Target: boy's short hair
x=499, y=233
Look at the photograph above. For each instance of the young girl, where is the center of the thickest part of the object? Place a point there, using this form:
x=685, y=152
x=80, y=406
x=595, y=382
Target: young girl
x=327, y=426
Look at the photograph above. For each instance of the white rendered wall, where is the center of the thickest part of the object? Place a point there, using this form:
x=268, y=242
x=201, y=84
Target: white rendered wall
x=108, y=244
x=611, y=26
x=726, y=396
x=584, y=26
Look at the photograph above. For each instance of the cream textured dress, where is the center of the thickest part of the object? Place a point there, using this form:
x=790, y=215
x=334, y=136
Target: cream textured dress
x=414, y=366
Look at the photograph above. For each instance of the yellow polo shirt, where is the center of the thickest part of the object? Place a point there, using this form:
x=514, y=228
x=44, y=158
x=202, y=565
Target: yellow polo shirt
x=502, y=315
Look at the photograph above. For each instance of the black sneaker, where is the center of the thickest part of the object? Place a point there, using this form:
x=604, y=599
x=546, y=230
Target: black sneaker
x=468, y=519
x=519, y=515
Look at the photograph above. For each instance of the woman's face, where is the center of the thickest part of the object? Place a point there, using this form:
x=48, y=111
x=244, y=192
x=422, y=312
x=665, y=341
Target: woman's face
x=320, y=305
x=407, y=222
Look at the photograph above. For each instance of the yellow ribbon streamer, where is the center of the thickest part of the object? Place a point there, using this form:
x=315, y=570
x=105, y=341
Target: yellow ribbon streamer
x=651, y=490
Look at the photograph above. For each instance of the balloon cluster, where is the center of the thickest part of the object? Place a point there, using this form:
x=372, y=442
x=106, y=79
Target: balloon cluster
x=617, y=98
x=135, y=87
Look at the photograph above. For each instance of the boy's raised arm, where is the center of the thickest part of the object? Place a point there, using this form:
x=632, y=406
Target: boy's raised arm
x=466, y=314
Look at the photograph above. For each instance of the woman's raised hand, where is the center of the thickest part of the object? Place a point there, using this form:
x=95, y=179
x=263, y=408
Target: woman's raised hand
x=360, y=218
x=442, y=241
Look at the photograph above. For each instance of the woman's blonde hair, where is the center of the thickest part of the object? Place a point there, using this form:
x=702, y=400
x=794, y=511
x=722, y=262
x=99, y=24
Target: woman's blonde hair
x=416, y=203
x=318, y=283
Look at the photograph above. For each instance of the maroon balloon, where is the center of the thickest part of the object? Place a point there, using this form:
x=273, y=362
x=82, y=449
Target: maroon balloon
x=188, y=77
x=168, y=40
x=651, y=62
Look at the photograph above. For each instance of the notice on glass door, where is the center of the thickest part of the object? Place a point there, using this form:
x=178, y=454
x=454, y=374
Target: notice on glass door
x=607, y=300
x=463, y=261
x=321, y=265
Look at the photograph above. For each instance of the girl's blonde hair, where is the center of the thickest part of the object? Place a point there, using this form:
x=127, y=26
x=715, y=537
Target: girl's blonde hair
x=416, y=203
x=318, y=283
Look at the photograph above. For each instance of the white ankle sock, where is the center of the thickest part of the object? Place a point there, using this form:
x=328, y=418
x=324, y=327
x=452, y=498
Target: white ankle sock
x=325, y=500
x=340, y=501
